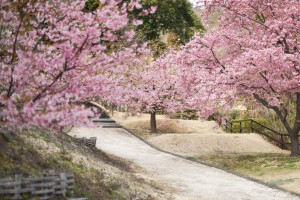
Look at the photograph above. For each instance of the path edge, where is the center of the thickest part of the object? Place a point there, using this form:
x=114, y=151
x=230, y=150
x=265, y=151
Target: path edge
x=211, y=165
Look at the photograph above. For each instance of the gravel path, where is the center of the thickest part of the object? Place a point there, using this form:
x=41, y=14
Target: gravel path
x=192, y=180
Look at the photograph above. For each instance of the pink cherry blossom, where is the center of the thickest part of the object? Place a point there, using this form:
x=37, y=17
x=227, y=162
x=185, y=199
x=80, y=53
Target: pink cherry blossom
x=252, y=52
x=53, y=56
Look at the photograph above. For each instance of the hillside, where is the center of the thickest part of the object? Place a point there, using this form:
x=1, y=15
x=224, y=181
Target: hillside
x=97, y=174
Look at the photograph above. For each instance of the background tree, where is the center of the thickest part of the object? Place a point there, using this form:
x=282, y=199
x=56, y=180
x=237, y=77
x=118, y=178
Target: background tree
x=149, y=87
x=165, y=22
x=175, y=17
x=252, y=53
x=175, y=20
x=143, y=88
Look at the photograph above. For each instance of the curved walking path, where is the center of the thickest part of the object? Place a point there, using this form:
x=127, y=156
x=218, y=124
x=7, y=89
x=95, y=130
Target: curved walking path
x=192, y=180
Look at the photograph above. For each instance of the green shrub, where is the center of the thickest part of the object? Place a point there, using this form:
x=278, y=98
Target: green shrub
x=234, y=115
x=213, y=117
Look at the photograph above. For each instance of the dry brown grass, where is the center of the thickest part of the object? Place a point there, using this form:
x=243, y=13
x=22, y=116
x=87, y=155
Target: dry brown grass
x=202, y=144
x=140, y=124
x=163, y=126
x=281, y=169
x=194, y=137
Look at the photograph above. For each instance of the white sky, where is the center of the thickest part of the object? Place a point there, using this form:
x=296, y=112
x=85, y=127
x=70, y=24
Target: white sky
x=194, y=2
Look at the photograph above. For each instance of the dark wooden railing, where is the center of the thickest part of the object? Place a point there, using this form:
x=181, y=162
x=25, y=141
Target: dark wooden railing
x=279, y=139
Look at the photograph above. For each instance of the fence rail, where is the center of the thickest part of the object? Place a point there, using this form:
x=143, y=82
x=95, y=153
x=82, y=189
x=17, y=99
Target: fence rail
x=91, y=142
x=279, y=139
x=49, y=186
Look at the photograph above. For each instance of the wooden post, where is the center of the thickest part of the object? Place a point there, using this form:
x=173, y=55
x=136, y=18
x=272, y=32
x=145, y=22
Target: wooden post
x=251, y=125
x=70, y=183
x=17, y=187
x=282, y=141
x=241, y=127
x=63, y=182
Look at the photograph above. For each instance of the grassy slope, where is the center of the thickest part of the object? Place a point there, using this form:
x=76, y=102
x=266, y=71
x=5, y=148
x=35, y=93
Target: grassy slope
x=97, y=175
x=276, y=169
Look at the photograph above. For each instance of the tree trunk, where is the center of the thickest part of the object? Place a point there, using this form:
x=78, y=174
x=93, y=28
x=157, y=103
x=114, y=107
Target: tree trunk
x=293, y=131
x=295, y=145
x=294, y=135
x=153, y=122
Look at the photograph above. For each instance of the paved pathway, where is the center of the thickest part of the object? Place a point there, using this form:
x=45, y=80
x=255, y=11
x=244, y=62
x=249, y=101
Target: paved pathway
x=193, y=180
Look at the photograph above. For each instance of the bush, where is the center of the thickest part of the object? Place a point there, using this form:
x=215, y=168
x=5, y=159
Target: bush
x=214, y=117
x=234, y=115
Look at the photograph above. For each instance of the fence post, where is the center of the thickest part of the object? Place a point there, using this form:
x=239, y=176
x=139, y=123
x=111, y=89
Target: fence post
x=251, y=125
x=63, y=183
x=17, y=187
x=282, y=141
x=241, y=127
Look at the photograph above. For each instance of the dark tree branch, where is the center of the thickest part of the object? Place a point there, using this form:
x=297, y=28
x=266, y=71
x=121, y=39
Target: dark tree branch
x=60, y=75
x=267, y=81
x=282, y=116
x=247, y=17
x=14, y=53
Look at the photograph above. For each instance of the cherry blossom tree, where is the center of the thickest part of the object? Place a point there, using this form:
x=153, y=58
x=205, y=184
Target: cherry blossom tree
x=148, y=86
x=52, y=55
x=254, y=52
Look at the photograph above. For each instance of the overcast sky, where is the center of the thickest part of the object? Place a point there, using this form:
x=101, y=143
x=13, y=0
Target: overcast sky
x=194, y=2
